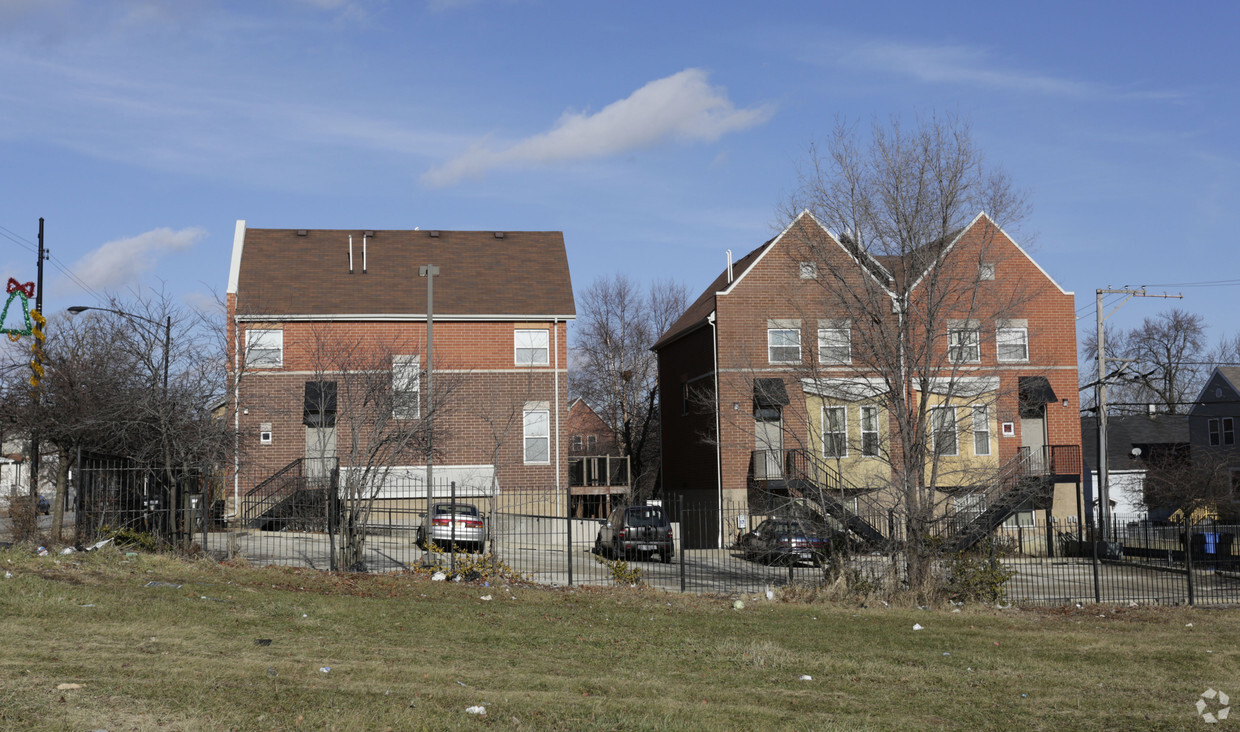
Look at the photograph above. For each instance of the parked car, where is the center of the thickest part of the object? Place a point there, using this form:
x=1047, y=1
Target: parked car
x=470, y=530
x=636, y=530
x=791, y=541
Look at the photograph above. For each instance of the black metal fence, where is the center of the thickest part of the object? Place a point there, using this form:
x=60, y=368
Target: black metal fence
x=314, y=524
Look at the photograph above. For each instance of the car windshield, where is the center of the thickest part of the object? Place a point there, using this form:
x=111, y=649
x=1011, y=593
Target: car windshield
x=462, y=509
x=646, y=516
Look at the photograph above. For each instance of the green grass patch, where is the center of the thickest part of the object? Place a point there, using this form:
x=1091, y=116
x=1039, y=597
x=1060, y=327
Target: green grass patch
x=157, y=642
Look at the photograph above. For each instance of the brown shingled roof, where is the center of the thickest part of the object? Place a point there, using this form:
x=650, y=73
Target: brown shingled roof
x=696, y=313
x=525, y=273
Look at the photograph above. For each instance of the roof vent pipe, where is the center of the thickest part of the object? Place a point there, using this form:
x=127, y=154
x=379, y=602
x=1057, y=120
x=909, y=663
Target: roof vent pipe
x=729, y=266
x=371, y=233
x=350, y=254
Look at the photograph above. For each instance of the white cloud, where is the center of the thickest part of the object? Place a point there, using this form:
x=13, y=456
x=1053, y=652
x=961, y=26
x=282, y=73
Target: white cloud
x=121, y=262
x=682, y=107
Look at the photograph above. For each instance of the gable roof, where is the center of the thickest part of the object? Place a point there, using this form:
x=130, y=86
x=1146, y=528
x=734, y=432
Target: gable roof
x=287, y=272
x=1125, y=432
x=1230, y=375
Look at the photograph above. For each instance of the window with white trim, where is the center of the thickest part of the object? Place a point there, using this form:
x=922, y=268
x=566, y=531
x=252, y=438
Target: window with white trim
x=537, y=434
x=783, y=345
x=943, y=430
x=577, y=443
x=809, y=270
x=532, y=347
x=869, y=431
x=986, y=271
x=964, y=345
x=264, y=349
x=834, y=432
x=981, y=430
x=835, y=345
x=1222, y=431
x=1012, y=344
x=406, y=387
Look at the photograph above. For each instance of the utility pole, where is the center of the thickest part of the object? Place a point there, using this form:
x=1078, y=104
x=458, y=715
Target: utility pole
x=1104, y=483
x=38, y=306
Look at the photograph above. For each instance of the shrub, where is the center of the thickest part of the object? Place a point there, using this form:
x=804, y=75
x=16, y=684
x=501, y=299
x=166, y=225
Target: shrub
x=622, y=573
x=977, y=578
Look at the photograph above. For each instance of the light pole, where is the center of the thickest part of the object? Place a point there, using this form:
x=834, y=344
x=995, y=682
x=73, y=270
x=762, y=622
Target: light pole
x=163, y=423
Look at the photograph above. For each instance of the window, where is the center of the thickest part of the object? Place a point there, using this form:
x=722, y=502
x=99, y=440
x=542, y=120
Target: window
x=320, y=404
x=869, y=431
x=784, y=345
x=1022, y=517
x=537, y=433
x=577, y=443
x=532, y=347
x=834, y=432
x=1222, y=431
x=964, y=345
x=1013, y=344
x=986, y=271
x=264, y=433
x=969, y=506
x=406, y=387
x=835, y=345
x=809, y=270
x=264, y=349
x=943, y=427
x=592, y=443
x=981, y=431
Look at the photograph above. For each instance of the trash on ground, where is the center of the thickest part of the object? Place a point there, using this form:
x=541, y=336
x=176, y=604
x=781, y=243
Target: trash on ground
x=806, y=677
x=262, y=641
x=326, y=669
x=438, y=577
x=738, y=605
x=67, y=687
x=68, y=550
x=100, y=545
x=153, y=583
x=476, y=710
x=917, y=626
x=486, y=597
x=41, y=551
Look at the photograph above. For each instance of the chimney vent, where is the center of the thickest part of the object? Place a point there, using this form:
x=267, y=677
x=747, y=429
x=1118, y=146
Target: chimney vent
x=729, y=266
x=499, y=235
x=435, y=234
x=301, y=232
x=370, y=234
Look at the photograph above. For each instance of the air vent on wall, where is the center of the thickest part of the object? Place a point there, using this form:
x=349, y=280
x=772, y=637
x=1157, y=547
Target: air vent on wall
x=434, y=234
x=301, y=232
x=499, y=235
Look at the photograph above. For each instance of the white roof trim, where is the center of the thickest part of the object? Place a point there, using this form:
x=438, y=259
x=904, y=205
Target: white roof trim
x=848, y=388
x=409, y=481
x=963, y=386
x=806, y=213
x=393, y=317
x=980, y=215
x=234, y=269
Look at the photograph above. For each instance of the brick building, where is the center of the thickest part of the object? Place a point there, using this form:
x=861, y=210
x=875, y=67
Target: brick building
x=753, y=412
x=329, y=360
x=598, y=471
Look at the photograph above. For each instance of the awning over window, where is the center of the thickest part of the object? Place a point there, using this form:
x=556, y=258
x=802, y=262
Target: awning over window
x=769, y=393
x=1035, y=394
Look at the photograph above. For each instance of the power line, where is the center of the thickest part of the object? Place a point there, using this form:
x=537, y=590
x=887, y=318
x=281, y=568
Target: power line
x=32, y=247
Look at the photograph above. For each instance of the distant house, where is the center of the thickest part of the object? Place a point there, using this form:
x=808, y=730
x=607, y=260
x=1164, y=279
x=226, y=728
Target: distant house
x=763, y=395
x=597, y=470
x=1136, y=445
x=310, y=311
x=1214, y=420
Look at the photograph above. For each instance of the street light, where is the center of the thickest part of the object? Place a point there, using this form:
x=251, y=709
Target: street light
x=167, y=332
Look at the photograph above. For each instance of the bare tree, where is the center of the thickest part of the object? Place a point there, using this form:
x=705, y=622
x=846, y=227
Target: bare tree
x=898, y=201
x=1164, y=362
x=614, y=370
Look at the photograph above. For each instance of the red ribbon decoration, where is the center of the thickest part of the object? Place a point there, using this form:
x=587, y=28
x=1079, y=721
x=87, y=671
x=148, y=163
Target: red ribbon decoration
x=14, y=286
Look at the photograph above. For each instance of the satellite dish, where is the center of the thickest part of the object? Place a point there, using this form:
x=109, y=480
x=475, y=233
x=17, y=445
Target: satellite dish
x=1136, y=452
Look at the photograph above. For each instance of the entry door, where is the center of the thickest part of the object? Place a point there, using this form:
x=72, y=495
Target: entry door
x=1033, y=440
x=768, y=461
x=320, y=452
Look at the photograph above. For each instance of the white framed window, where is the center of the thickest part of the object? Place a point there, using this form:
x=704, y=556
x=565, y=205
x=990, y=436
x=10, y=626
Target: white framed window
x=835, y=345
x=969, y=505
x=1222, y=431
x=986, y=271
x=537, y=434
x=532, y=347
x=834, y=432
x=1021, y=518
x=577, y=443
x=964, y=345
x=1012, y=344
x=406, y=387
x=943, y=430
x=783, y=345
x=981, y=430
x=809, y=270
x=264, y=349
x=869, y=431
x=264, y=433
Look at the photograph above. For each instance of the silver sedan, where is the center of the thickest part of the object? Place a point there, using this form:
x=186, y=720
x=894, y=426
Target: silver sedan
x=446, y=523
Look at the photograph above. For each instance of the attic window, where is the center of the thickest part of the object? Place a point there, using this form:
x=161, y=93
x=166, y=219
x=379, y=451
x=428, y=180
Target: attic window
x=809, y=270
x=986, y=271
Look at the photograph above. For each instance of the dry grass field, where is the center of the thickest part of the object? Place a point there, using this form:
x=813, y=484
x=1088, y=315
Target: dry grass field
x=133, y=641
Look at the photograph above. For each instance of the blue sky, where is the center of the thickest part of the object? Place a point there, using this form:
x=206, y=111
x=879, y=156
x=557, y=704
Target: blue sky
x=654, y=135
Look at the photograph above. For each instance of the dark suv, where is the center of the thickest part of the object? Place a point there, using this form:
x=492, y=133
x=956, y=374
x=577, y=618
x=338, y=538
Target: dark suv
x=636, y=530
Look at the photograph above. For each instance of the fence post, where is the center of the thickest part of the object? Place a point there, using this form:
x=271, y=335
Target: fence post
x=1094, y=544
x=333, y=516
x=568, y=520
x=452, y=551
x=680, y=512
x=1188, y=559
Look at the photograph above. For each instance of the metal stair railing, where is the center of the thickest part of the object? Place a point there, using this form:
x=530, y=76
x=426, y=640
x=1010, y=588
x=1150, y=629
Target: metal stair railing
x=814, y=480
x=1022, y=478
x=266, y=497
